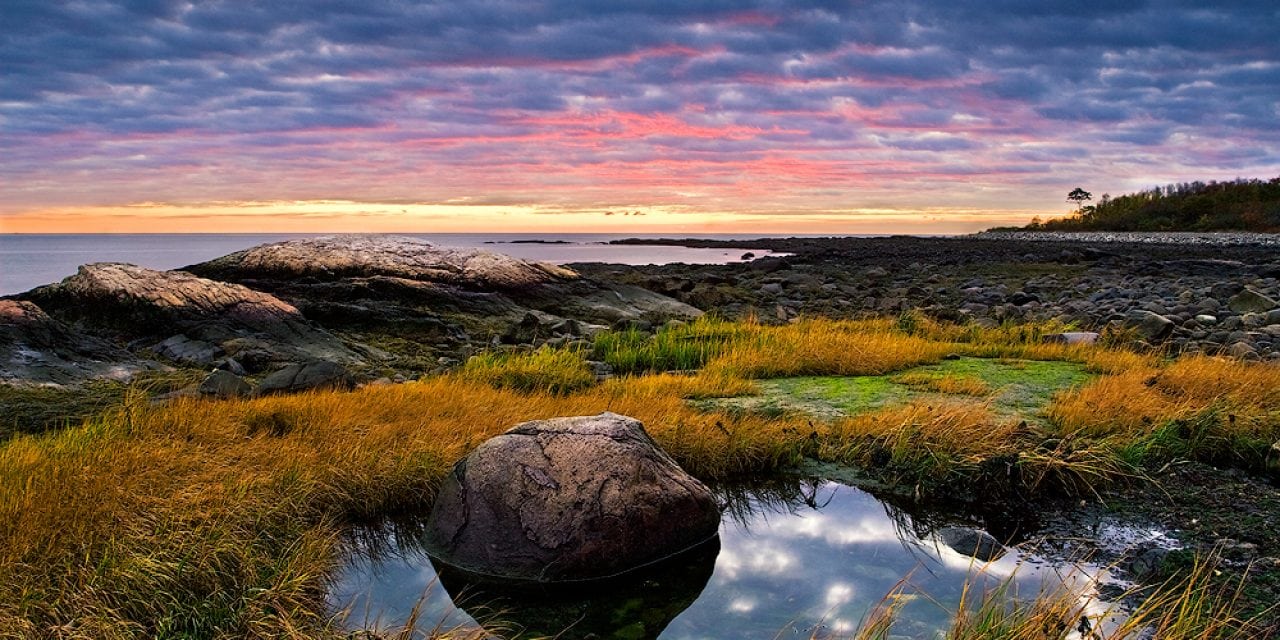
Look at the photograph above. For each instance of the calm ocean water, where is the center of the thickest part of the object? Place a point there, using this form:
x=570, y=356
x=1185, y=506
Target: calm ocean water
x=30, y=260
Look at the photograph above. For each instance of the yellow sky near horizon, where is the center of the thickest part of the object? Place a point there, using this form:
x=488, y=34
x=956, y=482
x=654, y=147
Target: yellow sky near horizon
x=369, y=217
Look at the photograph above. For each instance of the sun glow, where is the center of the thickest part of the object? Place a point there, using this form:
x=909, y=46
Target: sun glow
x=346, y=216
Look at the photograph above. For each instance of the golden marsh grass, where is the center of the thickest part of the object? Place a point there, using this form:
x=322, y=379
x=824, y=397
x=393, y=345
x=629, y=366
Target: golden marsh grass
x=220, y=519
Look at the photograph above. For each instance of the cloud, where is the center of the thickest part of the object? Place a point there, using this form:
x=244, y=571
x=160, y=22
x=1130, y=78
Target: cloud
x=710, y=104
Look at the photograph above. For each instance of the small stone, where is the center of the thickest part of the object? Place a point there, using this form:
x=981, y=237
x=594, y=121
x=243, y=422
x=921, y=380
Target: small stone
x=1072, y=337
x=232, y=365
x=224, y=384
x=1254, y=320
x=974, y=543
x=1151, y=327
x=1145, y=561
x=1251, y=301
x=317, y=374
x=1242, y=350
x=1236, y=550
x=1019, y=298
x=180, y=348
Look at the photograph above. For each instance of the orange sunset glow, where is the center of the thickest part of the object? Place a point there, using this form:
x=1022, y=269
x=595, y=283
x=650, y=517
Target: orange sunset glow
x=817, y=118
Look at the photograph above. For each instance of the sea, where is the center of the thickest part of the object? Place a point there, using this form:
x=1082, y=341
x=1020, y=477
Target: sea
x=31, y=260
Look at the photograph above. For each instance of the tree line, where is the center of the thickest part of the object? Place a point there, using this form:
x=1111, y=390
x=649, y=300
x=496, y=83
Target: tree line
x=1234, y=205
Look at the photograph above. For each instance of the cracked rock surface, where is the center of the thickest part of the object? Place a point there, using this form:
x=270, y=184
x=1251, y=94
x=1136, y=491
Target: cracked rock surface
x=568, y=499
x=332, y=257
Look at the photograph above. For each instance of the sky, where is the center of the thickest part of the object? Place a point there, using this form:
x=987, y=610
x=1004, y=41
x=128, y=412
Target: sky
x=917, y=116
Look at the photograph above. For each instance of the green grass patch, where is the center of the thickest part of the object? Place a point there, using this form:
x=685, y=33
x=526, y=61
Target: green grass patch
x=679, y=347
x=545, y=370
x=1018, y=388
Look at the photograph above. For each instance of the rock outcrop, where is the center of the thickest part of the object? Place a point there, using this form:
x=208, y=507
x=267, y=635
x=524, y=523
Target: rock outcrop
x=346, y=256
x=568, y=499
x=126, y=293
x=396, y=302
x=37, y=349
x=445, y=299
x=185, y=318
x=1072, y=278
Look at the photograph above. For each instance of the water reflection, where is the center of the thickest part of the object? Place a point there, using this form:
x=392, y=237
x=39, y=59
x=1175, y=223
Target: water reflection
x=638, y=607
x=804, y=558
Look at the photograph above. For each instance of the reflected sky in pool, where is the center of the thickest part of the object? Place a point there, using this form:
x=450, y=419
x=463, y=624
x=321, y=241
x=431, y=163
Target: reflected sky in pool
x=810, y=564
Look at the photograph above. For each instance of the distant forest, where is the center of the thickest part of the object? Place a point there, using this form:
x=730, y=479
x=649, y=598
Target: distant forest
x=1236, y=205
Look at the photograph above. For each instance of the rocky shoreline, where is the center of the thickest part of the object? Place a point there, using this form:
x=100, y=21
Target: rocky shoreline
x=302, y=314
x=396, y=308
x=344, y=311
x=1181, y=296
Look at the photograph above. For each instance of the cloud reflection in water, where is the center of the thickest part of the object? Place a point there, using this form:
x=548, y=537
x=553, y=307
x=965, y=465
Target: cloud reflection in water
x=815, y=566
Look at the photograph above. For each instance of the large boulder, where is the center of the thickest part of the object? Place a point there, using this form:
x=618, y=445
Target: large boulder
x=651, y=598
x=568, y=499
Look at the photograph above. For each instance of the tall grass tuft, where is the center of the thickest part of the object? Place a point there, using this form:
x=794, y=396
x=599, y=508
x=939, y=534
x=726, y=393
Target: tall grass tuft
x=545, y=370
x=949, y=384
x=1213, y=409
x=672, y=348
x=1192, y=606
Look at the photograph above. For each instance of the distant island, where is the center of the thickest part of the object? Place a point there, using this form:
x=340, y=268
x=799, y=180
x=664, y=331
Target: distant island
x=1236, y=205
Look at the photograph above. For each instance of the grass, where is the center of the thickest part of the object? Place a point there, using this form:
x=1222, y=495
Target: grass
x=672, y=348
x=1017, y=390
x=545, y=370
x=216, y=519
x=950, y=384
x=1216, y=410
x=222, y=518
x=1188, y=607
x=36, y=409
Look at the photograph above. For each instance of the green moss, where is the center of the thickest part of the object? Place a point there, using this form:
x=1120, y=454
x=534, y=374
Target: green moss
x=1021, y=388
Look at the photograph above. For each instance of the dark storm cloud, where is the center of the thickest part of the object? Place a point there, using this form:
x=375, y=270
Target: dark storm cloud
x=568, y=83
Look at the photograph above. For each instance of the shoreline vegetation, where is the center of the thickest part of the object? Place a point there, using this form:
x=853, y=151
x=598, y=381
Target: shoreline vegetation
x=1233, y=205
x=223, y=518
